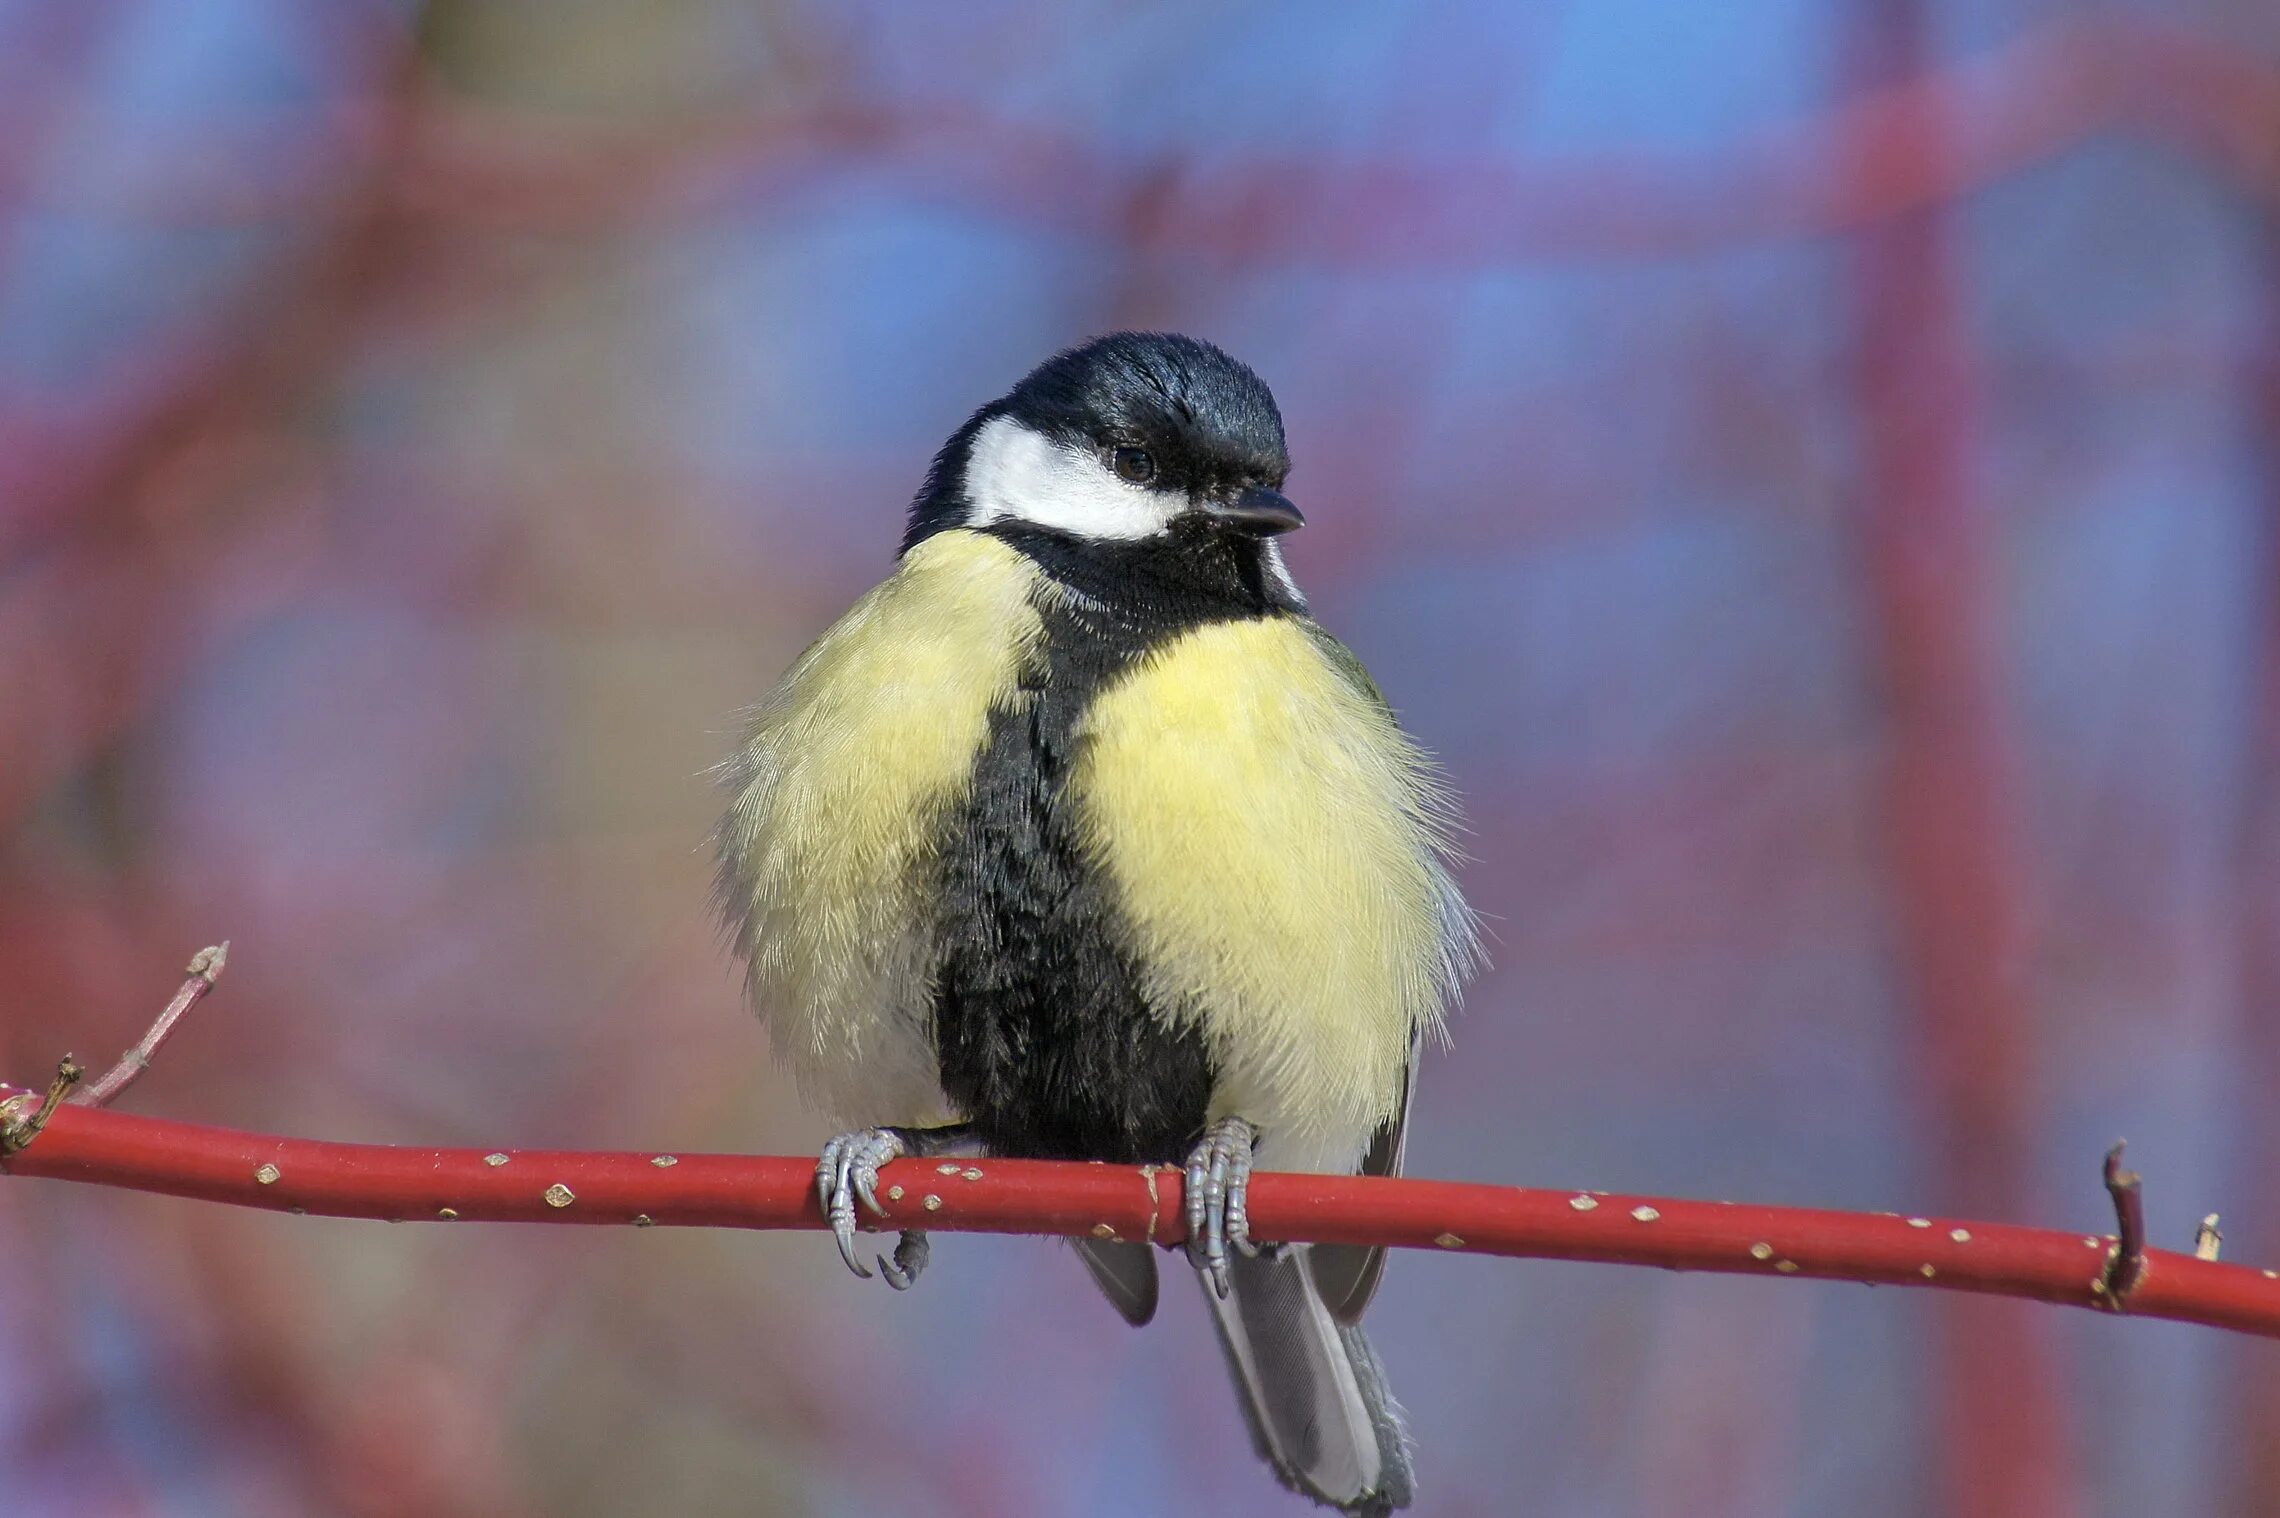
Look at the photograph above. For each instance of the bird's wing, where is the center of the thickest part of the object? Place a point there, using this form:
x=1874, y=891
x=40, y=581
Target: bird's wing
x=1343, y=660
x=1348, y=1274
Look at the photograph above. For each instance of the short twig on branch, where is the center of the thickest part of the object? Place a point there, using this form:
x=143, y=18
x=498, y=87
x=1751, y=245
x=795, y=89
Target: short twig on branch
x=2126, y=1264
x=110, y=1148
x=204, y=969
x=22, y=1119
x=23, y=1115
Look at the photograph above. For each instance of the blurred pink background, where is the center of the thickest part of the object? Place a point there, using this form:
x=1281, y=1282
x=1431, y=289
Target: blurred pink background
x=1807, y=468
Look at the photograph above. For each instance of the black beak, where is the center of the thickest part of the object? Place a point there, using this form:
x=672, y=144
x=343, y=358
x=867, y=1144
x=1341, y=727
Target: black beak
x=1257, y=512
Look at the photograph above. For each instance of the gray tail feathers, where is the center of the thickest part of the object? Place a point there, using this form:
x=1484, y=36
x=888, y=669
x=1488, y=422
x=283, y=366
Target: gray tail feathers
x=1316, y=1400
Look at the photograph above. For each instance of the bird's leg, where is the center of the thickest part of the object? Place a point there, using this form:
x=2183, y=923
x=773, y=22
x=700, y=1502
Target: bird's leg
x=850, y=1169
x=1218, y=1198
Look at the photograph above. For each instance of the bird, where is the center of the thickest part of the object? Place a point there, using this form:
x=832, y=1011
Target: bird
x=1078, y=838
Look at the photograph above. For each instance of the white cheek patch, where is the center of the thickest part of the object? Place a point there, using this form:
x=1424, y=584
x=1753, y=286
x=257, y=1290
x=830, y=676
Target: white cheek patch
x=1018, y=475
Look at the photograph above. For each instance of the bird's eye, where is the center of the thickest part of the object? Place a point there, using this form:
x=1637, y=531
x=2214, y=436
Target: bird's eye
x=1133, y=465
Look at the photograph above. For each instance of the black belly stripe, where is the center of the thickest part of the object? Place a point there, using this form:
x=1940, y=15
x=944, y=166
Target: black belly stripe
x=1046, y=1040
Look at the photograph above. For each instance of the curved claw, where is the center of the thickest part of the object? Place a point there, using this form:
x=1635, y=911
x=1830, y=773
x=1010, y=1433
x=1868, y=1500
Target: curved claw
x=910, y=1258
x=1218, y=1195
x=848, y=1169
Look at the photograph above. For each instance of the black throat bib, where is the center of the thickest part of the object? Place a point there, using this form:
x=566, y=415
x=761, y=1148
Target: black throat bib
x=1048, y=1043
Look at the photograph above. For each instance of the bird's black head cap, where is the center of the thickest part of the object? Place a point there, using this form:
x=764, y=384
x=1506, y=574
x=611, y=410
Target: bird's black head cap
x=1207, y=424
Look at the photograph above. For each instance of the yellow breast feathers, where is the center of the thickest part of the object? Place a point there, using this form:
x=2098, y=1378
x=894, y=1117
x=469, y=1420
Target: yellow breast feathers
x=1279, y=846
x=838, y=796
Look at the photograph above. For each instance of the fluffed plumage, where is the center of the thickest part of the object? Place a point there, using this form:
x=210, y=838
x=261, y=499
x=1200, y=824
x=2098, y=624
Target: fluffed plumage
x=1080, y=833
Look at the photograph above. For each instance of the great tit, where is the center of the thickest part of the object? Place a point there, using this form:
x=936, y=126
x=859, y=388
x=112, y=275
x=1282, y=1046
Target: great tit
x=1077, y=838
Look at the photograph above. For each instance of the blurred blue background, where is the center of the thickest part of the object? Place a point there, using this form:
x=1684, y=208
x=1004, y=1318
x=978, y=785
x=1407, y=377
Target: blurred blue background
x=1806, y=468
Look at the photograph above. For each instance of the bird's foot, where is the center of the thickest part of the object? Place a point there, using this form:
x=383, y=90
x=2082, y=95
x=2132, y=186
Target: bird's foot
x=849, y=1169
x=909, y=1259
x=1218, y=1199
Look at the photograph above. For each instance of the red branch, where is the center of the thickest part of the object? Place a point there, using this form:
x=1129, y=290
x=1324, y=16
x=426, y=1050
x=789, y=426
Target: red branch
x=1037, y=1197
x=81, y=1141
